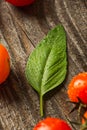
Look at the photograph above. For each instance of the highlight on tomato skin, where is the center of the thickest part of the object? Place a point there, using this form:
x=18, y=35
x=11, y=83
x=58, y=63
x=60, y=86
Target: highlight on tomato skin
x=4, y=63
x=20, y=2
x=51, y=123
x=77, y=88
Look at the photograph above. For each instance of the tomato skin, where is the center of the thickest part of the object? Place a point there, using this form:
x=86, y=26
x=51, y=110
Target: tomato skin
x=78, y=88
x=50, y=123
x=20, y=2
x=4, y=64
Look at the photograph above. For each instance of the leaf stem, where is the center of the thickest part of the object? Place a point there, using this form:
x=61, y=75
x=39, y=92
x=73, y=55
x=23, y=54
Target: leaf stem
x=41, y=105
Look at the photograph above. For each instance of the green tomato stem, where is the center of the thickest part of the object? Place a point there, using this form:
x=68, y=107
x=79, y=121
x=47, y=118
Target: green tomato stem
x=41, y=105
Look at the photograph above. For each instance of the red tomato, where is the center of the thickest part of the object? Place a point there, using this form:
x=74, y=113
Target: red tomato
x=78, y=88
x=4, y=63
x=20, y=2
x=52, y=124
x=85, y=116
x=84, y=122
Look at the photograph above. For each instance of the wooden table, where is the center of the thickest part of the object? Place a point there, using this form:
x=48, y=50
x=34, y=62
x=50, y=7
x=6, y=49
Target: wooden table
x=21, y=29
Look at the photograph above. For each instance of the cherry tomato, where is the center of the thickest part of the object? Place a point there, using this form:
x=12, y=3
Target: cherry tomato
x=50, y=123
x=85, y=116
x=84, y=122
x=78, y=88
x=20, y=2
x=4, y=63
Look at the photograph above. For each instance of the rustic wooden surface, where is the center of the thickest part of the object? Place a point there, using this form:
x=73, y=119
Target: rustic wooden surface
x=20, y=31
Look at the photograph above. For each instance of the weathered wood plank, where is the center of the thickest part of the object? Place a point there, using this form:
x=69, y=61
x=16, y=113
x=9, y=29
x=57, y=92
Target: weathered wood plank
x=20, y=31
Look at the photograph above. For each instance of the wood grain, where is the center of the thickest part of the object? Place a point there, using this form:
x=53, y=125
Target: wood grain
x=20, y=31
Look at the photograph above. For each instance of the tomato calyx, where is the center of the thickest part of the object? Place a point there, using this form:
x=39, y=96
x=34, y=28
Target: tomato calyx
x=82, y=123
x=78, y=105
x=81, y=108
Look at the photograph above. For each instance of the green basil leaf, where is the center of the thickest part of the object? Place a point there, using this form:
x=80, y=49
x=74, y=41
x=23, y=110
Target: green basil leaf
x=47, y=65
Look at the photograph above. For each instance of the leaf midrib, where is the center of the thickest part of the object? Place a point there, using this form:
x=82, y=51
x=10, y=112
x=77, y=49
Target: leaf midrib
x=44, y=70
